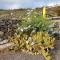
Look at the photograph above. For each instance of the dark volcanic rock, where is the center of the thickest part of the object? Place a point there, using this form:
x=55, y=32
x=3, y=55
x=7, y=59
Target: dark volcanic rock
x=7, y=28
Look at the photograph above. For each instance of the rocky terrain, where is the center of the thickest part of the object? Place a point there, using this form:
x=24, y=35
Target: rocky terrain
x=7, y=28
x=8, y=21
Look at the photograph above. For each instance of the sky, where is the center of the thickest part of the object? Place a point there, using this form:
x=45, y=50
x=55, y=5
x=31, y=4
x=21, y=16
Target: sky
x=15, y=4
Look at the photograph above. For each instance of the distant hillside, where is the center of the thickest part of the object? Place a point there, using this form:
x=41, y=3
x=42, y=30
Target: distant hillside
x=21, y=13
x=51, y=11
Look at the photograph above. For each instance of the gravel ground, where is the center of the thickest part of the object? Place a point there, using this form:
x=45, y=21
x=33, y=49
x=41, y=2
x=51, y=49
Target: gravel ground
x=19, y=56
x=56, y=53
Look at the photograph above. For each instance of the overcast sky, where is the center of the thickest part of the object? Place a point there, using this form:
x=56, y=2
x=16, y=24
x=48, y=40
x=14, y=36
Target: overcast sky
x=14, y=4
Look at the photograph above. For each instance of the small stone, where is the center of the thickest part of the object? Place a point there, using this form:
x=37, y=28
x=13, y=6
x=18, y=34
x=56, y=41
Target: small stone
x=11, y=13
x=28, y=18
x=1, y=33
x=32, y=43
x=15, y=34
x=52, y=48
x=29, y=39
x=25, y=28
x=21, y=30
x=3, y=42
x=27, y=42
x=0, y=39
x=18, y=36
x=2, y=24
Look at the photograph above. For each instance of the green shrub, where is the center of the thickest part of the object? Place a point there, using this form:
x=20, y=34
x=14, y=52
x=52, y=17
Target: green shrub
x=38, y=43
x=32, y=36
x=36, y=21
